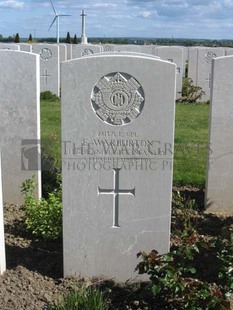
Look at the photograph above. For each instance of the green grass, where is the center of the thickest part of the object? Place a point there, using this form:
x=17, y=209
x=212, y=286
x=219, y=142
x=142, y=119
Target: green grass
x=82, y=299
x=191, y=144
x=51, y=130
x=191, y=140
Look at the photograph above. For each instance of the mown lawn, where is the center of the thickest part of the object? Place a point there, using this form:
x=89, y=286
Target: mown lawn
x=191, y=144
x=191, y=140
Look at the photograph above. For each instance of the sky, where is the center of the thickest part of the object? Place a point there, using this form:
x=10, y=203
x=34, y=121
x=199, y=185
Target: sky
x=201, y=19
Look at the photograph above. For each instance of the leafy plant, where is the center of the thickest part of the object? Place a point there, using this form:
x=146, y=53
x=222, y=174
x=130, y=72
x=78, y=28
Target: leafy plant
x=43, y=217
x=82, y=299
x=177, y=277
x=190, y=92
x=48, y=96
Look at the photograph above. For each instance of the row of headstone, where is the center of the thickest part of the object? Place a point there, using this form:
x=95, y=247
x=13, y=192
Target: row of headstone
x=198, y=59
x=117, y=137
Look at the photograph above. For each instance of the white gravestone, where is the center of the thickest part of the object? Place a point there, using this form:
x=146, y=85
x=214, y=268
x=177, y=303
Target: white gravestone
x=200, y=60
x=2, y=239
x=128, y=48
x=49, y=67
x=25, y=47
x=175, y=55
x=219, y=185
x=62, y=52
x=10, y=47
x=81, y=50
x=117, y=133
x=20, y=122
x=69, y=51
x=148, y=49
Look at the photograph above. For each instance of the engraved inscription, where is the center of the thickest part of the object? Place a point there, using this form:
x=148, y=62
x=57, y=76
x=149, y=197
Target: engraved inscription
x=209, y=56
x=116, y=191
x=117, y=98
x=45, y=54
x=86, y=52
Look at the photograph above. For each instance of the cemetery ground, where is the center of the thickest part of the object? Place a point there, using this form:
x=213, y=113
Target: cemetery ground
x=195, y=275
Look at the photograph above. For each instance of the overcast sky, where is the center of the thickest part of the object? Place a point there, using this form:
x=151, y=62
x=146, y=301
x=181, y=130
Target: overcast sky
x=208, y=19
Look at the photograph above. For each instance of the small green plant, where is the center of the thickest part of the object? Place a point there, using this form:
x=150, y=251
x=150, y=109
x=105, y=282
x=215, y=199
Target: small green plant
x=190, y=92
x=82, y=299
x=49, y=96
x=43, y=217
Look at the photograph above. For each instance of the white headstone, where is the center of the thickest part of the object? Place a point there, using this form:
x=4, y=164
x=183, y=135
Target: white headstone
x=62, y=52
x=199, y=67
x=81, y=50
x=117, y=133
x=25, y=47
x=9, y=46
x=128, y=48
x=219, y=194
x=2, y=239
x=20, y=122
x=174, y=55
x=49, y=67
x=148, y=49
x=69, y=51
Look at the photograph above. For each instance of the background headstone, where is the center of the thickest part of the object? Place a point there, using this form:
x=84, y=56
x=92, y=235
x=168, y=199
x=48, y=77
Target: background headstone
x=128, y=48
x=49, y=67
x=219, y=194
x=174, y=55
x=20, y=122
x=200, y=62
x=62, y=52
x=2, y=239
x=81, y=50
x=9, y=46
x=25, y=47
x=117, y=133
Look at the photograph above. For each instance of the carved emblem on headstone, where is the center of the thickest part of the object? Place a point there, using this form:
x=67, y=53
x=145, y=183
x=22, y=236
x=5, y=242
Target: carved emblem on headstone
x=86, y=52
x=209, y=56
x=107, y=48
x=117, y=98
x=45, y=53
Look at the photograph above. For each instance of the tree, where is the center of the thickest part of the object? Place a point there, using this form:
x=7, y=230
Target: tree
x=17, y=40
x=68, y=39
x=30, y=38
x=75, y=40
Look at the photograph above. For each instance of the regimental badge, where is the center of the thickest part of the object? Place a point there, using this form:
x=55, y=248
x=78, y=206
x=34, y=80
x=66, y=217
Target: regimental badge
x=45, y=54
x=118, y=98
x=209, y=56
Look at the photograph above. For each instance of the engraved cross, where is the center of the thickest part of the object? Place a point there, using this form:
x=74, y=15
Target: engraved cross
x=209, y=79
x=116, y=192
x=46, y=75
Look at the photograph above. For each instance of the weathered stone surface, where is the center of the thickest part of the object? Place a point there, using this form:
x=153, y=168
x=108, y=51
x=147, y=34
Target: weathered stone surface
x=219, y=194
x=20, y=122
x=117, y=132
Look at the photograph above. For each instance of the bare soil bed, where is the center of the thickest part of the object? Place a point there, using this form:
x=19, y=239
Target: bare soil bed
x=34, y=277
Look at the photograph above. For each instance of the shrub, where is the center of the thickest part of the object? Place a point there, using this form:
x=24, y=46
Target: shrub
x=49, y=96
x=179, y=277
x=190, y=92
x=43, y=217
